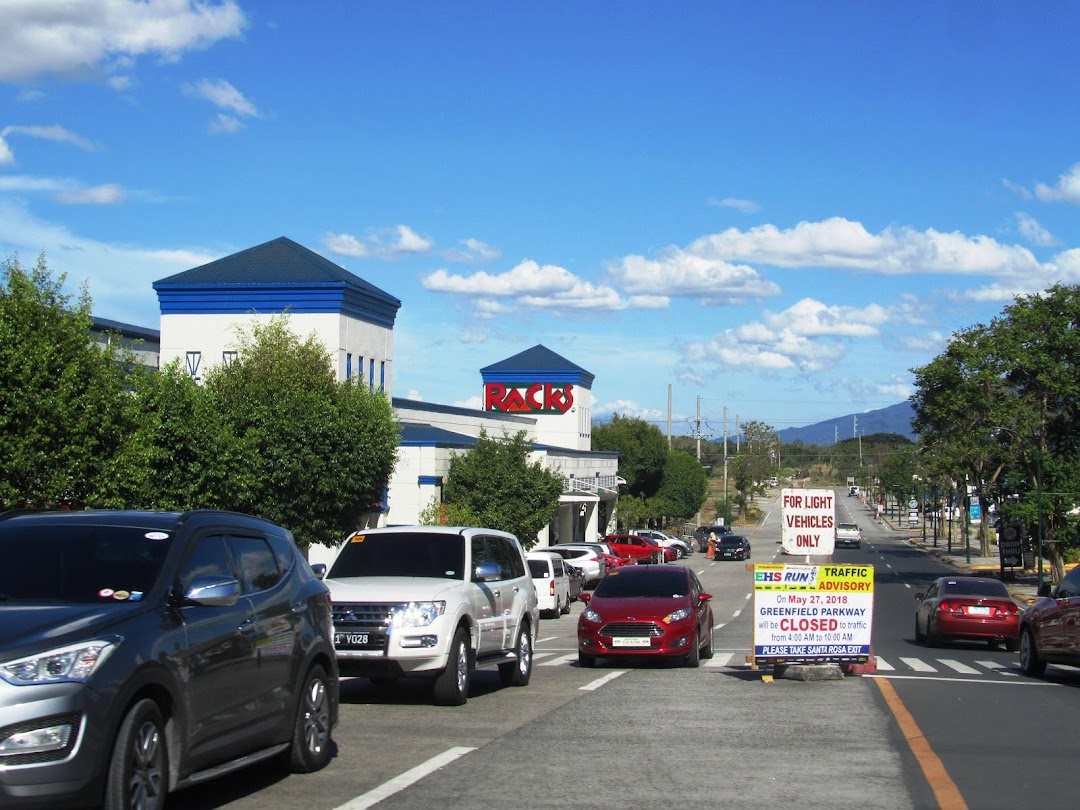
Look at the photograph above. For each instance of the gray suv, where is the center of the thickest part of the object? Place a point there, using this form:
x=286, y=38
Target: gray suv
x=142, y=652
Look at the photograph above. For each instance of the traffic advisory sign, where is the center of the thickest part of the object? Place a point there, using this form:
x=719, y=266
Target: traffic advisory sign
x=812, y=613
x=809, y=521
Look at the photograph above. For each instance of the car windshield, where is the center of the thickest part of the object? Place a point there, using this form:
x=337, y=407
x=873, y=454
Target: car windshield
x=731, y=540
x=401, y=554
x=81, y=563
x=975, y=587
x=643, y=583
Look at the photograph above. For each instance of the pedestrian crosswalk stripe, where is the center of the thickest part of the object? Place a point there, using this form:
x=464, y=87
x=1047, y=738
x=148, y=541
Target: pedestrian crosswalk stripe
x=963, y=669
x=719, y=659
x=883, y=665
x=562, y=659
x=998, y=668
x=545, y=654
x=918, y=665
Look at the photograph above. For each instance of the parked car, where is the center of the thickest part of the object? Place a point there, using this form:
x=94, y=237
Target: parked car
x=732, y=547
x=967, y=608
x=682, y=548
x=701, y=534
x=638, y=548
x=552, y=588
x=575, y=579
x=433, y=602
x=142, y=652
x=589, y=559
x=1050, y=628
x=647, y=610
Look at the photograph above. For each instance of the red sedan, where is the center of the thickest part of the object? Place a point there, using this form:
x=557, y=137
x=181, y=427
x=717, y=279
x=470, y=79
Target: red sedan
x=650, y=610
x=642, y=549
x=967, y=608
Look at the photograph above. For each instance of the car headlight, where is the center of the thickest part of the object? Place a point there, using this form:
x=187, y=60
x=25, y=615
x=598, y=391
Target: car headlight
x=419, y=614
x=591, y=615
x=677, y=616
x=64, y=665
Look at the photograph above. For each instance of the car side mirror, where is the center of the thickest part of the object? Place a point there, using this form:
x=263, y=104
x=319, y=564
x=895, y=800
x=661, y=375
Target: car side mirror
x=213, y=590
x=704, y=597
x=1045, y=589
x=487, y=572
x=319, y=569
x=585, y=597
x=919, y=597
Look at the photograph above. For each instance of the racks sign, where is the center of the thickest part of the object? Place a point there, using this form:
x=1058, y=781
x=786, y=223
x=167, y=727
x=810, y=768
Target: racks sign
x=533, y=398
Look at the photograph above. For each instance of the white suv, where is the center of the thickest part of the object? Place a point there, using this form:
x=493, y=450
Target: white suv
x=682, y=548
x=434, y=601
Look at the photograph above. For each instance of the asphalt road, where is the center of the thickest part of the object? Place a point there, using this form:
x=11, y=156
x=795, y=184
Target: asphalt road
x=646, y=735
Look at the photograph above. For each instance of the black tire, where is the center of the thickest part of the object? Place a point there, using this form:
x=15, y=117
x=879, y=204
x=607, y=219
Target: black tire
x=706, y=652
x=566, y=607
x=517, y=673
x=138, y=776
x=585, y=660
x=920, y=636
x=693, y=658
x=1030, y=663
x=311, y=744
x=931, y=639
x=452, y=684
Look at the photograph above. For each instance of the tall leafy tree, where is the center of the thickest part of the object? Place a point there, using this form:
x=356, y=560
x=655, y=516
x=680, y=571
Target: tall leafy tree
x=496, y=482
x=67, y=422
x=684, y=488
x=642, y=450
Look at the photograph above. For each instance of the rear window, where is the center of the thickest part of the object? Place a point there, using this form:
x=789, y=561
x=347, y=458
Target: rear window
x=401, y=554
x=539, y=569
x=638, y=583
x=975, y=587
x=73, y=563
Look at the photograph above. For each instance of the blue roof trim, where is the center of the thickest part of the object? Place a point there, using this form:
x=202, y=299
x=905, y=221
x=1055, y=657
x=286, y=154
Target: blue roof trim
x=538, y=364
x=416, y=435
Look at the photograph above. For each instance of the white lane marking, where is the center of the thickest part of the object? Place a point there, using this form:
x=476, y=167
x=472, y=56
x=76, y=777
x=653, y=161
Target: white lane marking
x=399, y=783
x=883, y=664
x=736, y=613
x=718, y=626
x=963, y=669
x=749, y=596
x=906, y=585
x=918, y=665
x=590, y=687
x=557, y=662
x=702, y=571
x=998, y=669
x=960, y=680
x=720, y=660
x=888, y=565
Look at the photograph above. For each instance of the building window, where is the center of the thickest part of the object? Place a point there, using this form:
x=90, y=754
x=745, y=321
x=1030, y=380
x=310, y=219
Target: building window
x=348, y=365
x=382, y=375
x=228, y=357
x=194, y=360
x=371, y=373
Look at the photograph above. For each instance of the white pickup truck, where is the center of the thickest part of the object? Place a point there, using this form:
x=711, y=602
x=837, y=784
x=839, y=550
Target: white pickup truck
x=848, y=534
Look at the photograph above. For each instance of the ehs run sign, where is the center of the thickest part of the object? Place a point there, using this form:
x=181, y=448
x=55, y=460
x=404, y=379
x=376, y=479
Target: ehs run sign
x=809, y=521
x=812, y=613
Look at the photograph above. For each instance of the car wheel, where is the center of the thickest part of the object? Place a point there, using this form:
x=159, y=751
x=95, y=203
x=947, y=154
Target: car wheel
x=566, y=607
x=310, y=750
x=1030, y=662
x=138, y=769
x=517, y=673
x=920, y=637
x=452, y=684
x=931, y=638
x=1012, y=644
x=693, y=658
x=706, y=652
x=585, y=660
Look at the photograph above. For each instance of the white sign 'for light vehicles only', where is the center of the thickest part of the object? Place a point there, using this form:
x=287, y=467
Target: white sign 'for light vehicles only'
x=809, y=521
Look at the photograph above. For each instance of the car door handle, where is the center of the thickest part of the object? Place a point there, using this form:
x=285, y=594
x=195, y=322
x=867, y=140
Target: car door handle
x=496, y=593
x=247, y=627
x=299, y=607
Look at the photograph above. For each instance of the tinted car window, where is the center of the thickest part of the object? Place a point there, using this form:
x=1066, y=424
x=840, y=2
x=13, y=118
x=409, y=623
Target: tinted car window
x=80, y=563
x=508, y=557
x=208, y=558
x=652, y=583
x=258, y=568
x=1070, y=586
x=989, y=587
x=402, y=554
x=538, y=569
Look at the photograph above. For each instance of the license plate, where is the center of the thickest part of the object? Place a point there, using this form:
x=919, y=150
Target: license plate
x=351, y=639
x=631, y=642
x=978, y=611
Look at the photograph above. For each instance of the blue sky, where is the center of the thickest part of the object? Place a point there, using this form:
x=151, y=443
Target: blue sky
x=780, y=208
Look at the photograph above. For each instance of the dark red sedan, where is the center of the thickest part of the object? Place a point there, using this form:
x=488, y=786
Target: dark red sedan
x=967, y=608
x=646, y=610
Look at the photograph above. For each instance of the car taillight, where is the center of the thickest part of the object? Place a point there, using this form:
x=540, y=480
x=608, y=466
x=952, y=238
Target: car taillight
x=1007, y=610
x=552, y=587
x=949, y=607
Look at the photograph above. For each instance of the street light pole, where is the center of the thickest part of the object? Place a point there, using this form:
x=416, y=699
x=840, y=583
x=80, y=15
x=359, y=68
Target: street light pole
x=1038, y=502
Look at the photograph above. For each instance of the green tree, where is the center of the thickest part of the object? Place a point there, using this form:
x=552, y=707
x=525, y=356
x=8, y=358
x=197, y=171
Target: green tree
x=756, y=461
x=67, y=421
x=496, y=482
x=683, y=489
x=313, y=454
x=642, y=450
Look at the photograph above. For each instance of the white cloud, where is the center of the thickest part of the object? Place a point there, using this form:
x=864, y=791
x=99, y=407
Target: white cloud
x=99, y=36
x=931, y=342
x=475, y=402
x=626, y=407
x=472, y=251
x=223, y=124
x=388, y=244
x=746, y=206
x=470, y=335
x=1017, y=189
x=414, y=395
x=815, y=319
x=1035, y=233
x=54, y=133
x=526, y=278
x=222, y=95
x=679, y=273
x=1066, y=190
x=106, y=194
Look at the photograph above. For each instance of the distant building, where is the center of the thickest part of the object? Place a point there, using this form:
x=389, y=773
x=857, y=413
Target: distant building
x=144, y=343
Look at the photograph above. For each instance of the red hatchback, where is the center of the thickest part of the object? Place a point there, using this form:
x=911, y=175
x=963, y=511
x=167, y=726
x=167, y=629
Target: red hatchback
x=642, y=549
x=967, y=608
x=646, y=610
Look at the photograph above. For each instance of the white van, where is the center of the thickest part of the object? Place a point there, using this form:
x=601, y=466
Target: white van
x=552, y=586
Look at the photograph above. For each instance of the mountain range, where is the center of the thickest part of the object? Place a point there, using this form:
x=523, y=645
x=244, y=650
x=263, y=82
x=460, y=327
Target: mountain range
x=893, y=419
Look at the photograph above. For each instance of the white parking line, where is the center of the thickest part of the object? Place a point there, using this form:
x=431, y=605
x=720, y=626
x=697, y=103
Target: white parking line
x=556, y=662
x=590, y=687
x=963, y=669
x=918, y=665
x=399, y=783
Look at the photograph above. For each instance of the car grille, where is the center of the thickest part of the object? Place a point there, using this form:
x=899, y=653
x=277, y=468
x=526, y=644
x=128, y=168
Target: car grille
x=645, y=629
x=373, y=618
